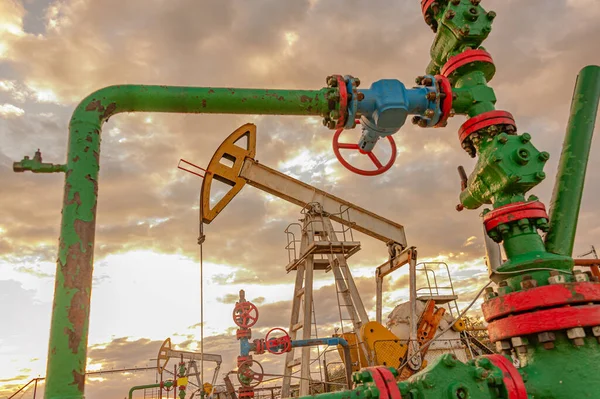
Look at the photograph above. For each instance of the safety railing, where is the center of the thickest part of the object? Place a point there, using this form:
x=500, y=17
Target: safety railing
x=439, y=347
x=293, y=243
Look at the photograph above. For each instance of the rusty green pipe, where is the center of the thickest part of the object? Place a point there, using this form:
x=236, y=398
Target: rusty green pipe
x=70, y=314
x=166, y=384
x=568, y=188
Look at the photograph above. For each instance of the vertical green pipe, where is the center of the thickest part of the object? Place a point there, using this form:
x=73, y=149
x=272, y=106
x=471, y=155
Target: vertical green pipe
x=70, y=313
x=568, y=188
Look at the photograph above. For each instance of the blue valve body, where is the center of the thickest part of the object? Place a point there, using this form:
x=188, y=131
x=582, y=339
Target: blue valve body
x=386, y=105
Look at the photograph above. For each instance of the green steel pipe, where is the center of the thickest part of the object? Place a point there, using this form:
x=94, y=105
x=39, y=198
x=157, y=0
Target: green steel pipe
x=70, y=316
x=570, y=178
x=167, y=384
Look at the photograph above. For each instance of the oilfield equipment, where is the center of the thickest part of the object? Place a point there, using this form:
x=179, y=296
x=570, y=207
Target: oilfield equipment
x=543, y=316
x=316, y=245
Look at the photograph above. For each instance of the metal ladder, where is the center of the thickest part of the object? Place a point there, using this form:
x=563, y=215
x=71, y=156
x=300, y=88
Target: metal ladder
x=319, y=250
x=443, y=295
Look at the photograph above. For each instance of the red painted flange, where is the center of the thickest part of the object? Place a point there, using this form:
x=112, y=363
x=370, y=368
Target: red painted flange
x=379, y=383
x=243, y=333
x=446, y=103
x=553, y=319
x=515, y=387
x=484, y=120
x=343, y=101
x=246, y=392
x=468, y=57
x=390, y=382
x=425, y=4
x=245, y=314
x=541, y=297
x=243, y=359
x=513, y=212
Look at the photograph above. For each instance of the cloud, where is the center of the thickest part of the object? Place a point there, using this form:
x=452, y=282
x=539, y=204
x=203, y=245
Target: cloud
x=146, y=204
x=9, y=110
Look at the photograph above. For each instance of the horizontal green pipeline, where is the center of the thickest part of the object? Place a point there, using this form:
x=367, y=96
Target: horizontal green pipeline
x=202, y=100
x=570, y=178
x=67, y=352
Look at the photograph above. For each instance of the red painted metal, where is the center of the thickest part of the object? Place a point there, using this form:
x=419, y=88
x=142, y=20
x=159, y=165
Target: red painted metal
x=245, y=314
x=191, y=171
x=343, y=101
x=446, y=103
x=348, y=146
x=513, y=212
x=379, y=383
x=243, y=333
x=259, y=345
x=390, y=382
x=511, y=377
x=484, y=120
x=464, y=58
x=425, y=4
x=243, y=359
x=280, y=345
x=246, y=392
x=544, y=320
x=546, y=296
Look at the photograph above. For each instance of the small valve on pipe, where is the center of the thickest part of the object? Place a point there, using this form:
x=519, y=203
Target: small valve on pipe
x=463, y=184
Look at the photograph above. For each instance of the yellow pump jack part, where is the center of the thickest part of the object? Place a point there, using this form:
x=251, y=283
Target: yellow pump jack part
x=352, y=340
x=384, y=346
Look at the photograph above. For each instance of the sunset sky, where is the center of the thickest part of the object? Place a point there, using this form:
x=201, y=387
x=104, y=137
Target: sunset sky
x=146, y=278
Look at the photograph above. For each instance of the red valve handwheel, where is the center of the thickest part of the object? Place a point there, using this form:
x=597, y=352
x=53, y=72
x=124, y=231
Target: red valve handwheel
x=245, y=314
x=284, y=344
x=245, y=369
x=348, y=146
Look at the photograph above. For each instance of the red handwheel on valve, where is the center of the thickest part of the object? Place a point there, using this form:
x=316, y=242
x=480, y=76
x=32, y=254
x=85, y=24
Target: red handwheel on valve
x=245, y=314
x=280, y=345
x=337, y=146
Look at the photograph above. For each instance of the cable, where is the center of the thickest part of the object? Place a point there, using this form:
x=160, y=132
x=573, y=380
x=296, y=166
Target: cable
x=444, y=331
x=201, y=238
x=533, y=270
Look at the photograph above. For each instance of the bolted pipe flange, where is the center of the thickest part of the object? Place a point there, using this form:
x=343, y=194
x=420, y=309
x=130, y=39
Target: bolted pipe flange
x=338, y=102
x=469, y=60
x=492, y=123
x=515, y=211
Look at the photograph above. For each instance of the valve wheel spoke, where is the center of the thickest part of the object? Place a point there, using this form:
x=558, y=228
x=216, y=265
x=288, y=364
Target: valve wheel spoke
x=374, y=159
x=380, y=167
x=348, y=146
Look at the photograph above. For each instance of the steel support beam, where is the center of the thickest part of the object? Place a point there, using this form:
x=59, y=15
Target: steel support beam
x=302, y=194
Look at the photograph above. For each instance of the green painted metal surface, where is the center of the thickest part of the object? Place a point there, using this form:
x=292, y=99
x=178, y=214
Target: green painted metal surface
x=564, y=371
x=70, y=316
x=167, y=384
x=460, y=24
x=36, y=165
x=473, y=95
x=508, y=167
x=568, y=188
